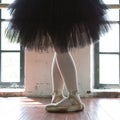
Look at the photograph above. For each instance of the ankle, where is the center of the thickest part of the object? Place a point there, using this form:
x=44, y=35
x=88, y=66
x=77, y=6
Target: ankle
x=58, y=93
x=73, y=93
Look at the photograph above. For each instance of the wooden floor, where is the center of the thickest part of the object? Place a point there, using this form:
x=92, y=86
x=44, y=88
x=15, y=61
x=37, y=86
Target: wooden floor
x=22, y=108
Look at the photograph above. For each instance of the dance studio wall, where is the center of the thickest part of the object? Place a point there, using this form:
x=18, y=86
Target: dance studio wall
x=38, y=80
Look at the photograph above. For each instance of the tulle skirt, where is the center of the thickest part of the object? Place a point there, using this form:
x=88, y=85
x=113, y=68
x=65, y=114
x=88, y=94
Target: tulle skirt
x=61, y=24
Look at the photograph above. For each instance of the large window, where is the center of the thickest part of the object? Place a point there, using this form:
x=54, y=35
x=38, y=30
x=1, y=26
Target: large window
x=11, y=56
x=107, y=53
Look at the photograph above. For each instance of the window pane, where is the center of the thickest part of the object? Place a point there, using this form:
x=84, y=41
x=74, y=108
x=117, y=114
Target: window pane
x=109, y=69
x=113, y=15
x=110, y=41
x=7, y=1
x=5, y=14
x=111, y=1
x=5, y=43
x=10, y=67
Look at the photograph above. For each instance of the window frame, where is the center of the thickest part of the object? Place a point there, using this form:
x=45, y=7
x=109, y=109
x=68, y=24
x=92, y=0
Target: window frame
x=22, y=60
x=97, y=53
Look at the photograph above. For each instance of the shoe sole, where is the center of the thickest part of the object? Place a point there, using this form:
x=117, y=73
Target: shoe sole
x=58, y=109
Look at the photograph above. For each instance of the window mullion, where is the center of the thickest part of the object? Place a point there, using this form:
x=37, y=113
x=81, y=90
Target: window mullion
x=96, y=66
x=22, y=71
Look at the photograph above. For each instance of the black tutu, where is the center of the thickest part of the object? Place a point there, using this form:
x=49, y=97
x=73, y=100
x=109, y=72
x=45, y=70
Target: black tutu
x=62, y=24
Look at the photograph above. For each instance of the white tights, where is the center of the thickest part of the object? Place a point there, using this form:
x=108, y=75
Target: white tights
x=64, y=73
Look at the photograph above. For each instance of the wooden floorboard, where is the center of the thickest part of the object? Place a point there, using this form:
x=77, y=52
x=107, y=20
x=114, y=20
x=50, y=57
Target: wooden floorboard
x=23, y=108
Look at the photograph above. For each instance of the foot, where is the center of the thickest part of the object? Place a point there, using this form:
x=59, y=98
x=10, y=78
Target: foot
x=70, y=104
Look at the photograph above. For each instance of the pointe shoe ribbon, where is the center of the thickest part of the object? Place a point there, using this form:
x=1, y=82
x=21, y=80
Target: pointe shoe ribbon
x=57, y=96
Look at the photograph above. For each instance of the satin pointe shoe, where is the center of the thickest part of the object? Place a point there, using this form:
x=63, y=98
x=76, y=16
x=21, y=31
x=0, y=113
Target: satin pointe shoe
x=70, y=104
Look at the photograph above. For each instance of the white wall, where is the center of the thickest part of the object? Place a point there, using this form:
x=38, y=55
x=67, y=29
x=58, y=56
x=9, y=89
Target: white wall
x=38, y=68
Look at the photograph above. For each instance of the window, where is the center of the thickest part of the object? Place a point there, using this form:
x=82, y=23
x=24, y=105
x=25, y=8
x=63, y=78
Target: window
x=11, y=56
x=107, y=53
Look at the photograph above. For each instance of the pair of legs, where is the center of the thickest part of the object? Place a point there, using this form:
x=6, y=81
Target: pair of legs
x=64, y=73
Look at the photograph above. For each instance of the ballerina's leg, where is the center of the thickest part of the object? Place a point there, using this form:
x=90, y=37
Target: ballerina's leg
x=68, y=70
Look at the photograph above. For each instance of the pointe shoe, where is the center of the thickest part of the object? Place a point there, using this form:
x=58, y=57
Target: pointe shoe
x=57, y=96
x=70, y=104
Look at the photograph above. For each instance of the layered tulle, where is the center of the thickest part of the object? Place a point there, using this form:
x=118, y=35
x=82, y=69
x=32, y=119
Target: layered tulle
x=62, y=24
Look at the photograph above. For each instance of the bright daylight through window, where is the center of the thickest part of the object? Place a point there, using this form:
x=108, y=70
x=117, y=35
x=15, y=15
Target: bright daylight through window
x=107, y=53
x=11, y=56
